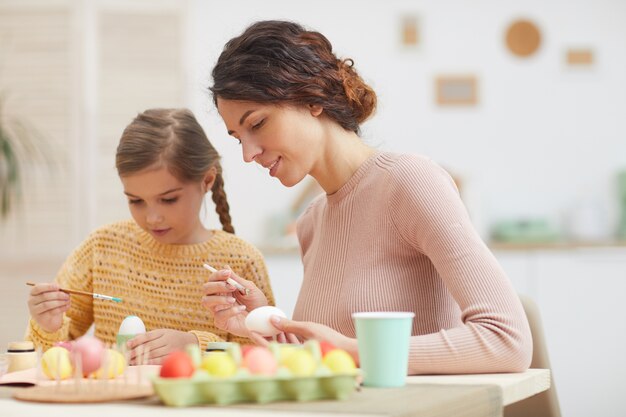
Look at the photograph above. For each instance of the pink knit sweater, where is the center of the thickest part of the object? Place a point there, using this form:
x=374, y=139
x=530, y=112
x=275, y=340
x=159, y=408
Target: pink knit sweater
x=396, y=237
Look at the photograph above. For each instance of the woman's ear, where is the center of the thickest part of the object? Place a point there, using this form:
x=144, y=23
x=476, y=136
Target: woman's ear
x=209, y=179
x=315, y=109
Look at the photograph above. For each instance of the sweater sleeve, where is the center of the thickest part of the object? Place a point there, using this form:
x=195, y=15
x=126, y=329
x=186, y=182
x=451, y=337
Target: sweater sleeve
x=427, y=212
x=76, y=273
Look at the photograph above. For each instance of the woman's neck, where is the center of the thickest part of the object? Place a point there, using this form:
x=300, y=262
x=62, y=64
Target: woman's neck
x=342, y=156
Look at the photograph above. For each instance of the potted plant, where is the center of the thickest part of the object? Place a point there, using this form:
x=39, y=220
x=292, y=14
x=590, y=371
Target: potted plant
x=21, y=146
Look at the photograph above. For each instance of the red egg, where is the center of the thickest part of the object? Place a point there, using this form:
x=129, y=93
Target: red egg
x=177, y=364
x=91, y=351
x=326, y=347
x=245, y=349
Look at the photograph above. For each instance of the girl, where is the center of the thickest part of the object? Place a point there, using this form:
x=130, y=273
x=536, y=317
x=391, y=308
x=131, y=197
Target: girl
x=154, y=263
x=390, y=233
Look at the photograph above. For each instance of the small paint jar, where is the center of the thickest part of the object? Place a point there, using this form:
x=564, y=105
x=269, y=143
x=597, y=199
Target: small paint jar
x=21, y=355
x=217, y=346
x=233, y=349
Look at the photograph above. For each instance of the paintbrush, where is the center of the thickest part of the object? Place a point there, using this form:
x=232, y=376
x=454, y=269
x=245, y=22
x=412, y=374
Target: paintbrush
x=89, y=294
x=243, y=290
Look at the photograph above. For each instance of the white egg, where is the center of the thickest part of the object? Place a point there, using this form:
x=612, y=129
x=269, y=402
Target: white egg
x=132, y=325
x=258, y=320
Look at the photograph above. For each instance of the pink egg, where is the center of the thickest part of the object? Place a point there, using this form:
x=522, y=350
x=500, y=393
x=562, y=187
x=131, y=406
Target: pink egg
x=65, y=344
x=90, y=350
x=260, y=360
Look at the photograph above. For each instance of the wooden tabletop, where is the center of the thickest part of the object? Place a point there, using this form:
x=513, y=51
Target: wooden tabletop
x=514, y=387
x=461, y=395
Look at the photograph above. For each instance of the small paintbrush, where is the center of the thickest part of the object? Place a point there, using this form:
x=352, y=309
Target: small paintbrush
x=89, y=294
x=243, y=290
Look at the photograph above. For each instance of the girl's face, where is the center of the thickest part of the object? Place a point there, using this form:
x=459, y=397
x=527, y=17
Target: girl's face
x=165, y=207
x=285, y=140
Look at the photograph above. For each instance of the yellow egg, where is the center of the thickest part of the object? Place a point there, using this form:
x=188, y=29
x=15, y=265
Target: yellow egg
x=219, y=364
x=55, y=363
x=284, y=351
x=339, y=361
x=114, y=362
x=300, y=363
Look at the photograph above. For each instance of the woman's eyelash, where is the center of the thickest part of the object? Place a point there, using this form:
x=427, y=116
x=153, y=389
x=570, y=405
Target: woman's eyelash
x=134, y=201
x=258, y=125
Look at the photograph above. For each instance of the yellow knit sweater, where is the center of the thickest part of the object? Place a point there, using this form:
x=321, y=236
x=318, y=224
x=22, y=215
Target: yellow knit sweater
x=161, y=284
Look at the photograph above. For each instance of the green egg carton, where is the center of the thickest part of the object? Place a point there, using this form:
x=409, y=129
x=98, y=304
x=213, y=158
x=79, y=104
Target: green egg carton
x=204, y=389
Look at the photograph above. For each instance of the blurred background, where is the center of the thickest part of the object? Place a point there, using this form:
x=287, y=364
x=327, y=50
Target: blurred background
x=523, y=102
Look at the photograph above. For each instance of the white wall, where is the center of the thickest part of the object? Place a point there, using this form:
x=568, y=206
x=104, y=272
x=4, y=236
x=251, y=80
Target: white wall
x=543, y=138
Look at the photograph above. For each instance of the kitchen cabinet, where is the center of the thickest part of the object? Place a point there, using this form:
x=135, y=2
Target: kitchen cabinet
x=580, y=292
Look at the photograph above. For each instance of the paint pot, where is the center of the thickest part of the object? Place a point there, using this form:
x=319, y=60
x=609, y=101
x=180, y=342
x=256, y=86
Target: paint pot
x=21, y=355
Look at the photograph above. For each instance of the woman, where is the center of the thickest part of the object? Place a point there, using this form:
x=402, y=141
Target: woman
x=390, y=233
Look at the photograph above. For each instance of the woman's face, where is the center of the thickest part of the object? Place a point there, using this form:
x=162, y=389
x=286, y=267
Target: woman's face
x=285, y=140
x=165, y=207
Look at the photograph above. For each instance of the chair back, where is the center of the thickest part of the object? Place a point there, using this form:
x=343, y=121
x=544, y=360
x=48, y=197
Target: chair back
x=546, y=403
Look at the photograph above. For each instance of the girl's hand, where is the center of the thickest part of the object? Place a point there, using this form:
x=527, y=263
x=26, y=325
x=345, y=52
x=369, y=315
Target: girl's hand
x=157, y=344
x=217, y=287
x=305, y=330
x=46, y=304
x=227, y=303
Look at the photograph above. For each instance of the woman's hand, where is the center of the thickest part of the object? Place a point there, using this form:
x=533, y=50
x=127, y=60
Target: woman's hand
x=281, y=337
x=46, y=304
x=305, y=330
x=228, y=304
x=152, y=347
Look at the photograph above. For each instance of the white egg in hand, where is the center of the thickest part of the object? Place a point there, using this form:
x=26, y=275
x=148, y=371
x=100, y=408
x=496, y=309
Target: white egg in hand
x=258, y=320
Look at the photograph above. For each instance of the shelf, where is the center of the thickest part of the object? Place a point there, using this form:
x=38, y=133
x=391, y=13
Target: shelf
x=269, y=250
x=561, y=245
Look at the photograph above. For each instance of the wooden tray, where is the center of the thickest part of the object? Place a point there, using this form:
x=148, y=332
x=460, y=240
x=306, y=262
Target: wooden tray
x=83, y=393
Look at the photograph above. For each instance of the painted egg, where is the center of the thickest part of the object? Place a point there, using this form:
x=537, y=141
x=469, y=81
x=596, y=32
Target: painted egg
x=113, y=365
x=339, y=361
x=90, y=352
x=326, y=347
x=285, y=351
x=55, y=363
x=69, y=345
x=132, y=325
x=258, y=320
x=260, y=360
x=301, y=363
x=177, y=364
x=219, y=364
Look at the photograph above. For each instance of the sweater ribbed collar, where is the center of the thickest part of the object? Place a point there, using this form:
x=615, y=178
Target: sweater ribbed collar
x=341, y=193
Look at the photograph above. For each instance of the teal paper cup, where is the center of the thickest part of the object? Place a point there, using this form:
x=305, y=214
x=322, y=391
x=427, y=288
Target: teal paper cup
x=383, y=340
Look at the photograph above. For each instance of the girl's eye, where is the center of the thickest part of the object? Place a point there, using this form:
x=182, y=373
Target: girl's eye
x=170, y=200
x=134, y=201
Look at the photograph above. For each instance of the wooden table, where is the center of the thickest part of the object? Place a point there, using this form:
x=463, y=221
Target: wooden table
x=514, y=387
x=458, y=395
